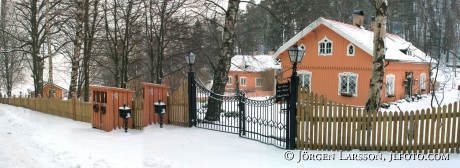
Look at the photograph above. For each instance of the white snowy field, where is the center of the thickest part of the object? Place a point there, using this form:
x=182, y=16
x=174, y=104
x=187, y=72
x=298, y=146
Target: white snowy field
x=33, y=139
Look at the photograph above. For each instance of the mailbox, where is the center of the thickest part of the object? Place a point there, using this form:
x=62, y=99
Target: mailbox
x=125, y=112
x=160, y=107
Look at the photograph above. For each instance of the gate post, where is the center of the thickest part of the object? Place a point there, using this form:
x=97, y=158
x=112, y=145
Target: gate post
x=292, y=115
x=241, y=109
x=242, y=113
x=192, y=99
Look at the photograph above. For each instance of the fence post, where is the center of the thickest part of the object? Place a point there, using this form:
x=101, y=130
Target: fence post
x=192, y=98
x=291, y=125
x=74, y=108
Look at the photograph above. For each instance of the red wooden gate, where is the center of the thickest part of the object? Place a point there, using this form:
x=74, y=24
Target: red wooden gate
x=110, y=99
x=153, y=93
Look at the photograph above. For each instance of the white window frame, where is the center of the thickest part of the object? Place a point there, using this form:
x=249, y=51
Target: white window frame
x=229, y=82
x=409, y=52
x=348, y=50
x=261, y=82
x=242, y=82
x=423, y=81
x=348, y=75
x=325, y=41
x=301, y=75
x=390, y=84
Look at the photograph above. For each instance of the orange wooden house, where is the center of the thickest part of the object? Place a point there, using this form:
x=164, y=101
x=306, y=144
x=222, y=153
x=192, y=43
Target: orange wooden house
x=58, y=90
x=338, y=62
x=255, y=73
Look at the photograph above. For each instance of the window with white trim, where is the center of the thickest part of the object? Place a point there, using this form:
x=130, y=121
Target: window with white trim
x=305, y=79
x=229, y=82
x=258, y=82
x=348, y=83
x=243, y=81
x=423, y=81
x=409, y=52
x=390, y=85
x=325, y=47
x=351, y=50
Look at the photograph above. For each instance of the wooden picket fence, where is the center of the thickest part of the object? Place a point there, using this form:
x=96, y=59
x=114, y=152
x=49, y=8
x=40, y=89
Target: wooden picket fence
x=178, y=106
x=325, y=125
x=73, y=109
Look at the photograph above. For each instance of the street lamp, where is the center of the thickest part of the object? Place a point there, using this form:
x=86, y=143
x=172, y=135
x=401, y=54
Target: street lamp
x=190, y=59
x=296, y=54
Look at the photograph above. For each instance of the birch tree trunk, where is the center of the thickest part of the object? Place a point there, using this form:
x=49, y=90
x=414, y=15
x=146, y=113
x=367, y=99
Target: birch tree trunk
x=90, y=31
x=48, y=46
x=376, y=81
x=226, y=54
x=77, y=49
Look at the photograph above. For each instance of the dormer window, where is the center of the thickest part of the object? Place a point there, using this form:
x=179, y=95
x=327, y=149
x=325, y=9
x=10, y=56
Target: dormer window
x=325, y=47
x=409, y=52
x=351, y=50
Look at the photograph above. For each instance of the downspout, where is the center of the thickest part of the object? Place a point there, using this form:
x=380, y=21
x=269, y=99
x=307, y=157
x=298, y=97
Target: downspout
x=388, y=63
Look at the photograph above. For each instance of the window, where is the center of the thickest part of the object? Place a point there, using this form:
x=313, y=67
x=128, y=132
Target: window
x=390, y=85
x=351, y=50
x=409, y=52
x=258, y=82
x=423, y=81
x=305, y=79
x=243, y=81
x=348, y=84
x=229, y=82
x=325, y=47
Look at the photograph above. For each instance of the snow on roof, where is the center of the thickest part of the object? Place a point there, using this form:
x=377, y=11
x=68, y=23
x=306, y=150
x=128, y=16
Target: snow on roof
x=59, y=85
x=251, y=63
x=364, y=40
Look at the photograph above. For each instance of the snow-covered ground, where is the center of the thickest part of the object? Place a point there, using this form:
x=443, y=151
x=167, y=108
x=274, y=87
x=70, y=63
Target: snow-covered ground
x=33, y=139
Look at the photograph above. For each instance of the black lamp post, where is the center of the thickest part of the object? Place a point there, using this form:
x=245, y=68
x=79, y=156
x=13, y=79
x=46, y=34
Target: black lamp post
x=190, y=59
x=296, y=54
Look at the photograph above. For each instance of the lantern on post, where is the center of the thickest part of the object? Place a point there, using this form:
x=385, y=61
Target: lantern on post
x=296, y=54
x=190, y=59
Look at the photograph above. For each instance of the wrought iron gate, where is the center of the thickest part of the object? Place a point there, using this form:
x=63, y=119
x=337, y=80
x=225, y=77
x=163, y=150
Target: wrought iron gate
x=260, y=119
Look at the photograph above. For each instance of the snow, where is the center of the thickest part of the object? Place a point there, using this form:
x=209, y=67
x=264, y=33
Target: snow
x=363, y=39
x=250, y=63
x=33, y=139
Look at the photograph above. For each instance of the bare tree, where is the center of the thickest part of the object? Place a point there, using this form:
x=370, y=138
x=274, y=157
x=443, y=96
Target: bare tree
x=122, y=32
x=31, y=20
x=376, y=81
x=77, y=47
x=226, y=53
x=166, y=26
x=90, y=30
x=11, y=61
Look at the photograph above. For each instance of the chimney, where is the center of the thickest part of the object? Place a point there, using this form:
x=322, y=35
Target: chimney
x=373, y=23
x=358, y=18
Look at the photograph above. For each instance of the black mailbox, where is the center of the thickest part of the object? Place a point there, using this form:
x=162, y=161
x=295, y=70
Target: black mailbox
x=125, y=112
x=160, y=107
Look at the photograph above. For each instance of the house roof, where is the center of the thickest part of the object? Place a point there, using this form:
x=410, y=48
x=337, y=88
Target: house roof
x=363, y=39
x=249, y=63
x=55, y=85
